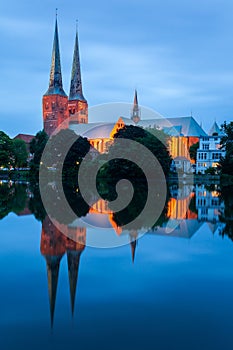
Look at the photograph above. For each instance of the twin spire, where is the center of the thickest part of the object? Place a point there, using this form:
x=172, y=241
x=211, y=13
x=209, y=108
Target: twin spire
x=55, y=81
x=76, y=92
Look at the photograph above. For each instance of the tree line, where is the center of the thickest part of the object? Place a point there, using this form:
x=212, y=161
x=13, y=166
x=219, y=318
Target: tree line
x=13, y=152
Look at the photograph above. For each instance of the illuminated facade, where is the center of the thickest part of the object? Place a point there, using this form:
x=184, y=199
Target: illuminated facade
x=58, y=109
x=62, y=111
x=210, y=152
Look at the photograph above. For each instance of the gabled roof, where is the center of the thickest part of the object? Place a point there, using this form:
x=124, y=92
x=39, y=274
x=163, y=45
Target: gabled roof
x=215, y=130
x=26, y=138
x=184, y=126
x=93, y=130
x=173, y=131
x=182, y=229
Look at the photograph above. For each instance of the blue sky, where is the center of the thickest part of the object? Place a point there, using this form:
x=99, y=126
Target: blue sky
x=178, y=54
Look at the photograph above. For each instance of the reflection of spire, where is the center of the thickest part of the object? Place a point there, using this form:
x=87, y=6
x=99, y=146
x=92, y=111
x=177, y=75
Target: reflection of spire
x=52, y=248
x=133, y=245
x=73, y=258
x=53, y=264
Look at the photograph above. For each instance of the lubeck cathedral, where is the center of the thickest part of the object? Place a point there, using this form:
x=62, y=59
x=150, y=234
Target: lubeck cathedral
x=61, y=111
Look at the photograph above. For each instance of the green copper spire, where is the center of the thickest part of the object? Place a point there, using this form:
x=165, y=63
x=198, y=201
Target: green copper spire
x=55, y=81
x=76, y=92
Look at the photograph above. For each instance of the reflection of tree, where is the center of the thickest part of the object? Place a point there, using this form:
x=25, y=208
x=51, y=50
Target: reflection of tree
x=37, y=146
x=12, y=198
x=227, y=216
x=107, y=189
x=35, y=203
x=192, y=205
x=53, y=193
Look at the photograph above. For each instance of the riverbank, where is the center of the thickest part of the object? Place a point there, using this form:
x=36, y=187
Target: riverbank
x=224, y=180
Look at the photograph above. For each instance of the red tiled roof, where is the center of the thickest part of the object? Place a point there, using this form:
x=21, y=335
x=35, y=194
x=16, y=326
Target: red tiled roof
x=24, y=137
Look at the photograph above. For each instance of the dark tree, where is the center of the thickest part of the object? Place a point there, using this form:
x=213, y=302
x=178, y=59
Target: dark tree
x=226, y=163
x=20, y=154
x=37, y=146
x=154, y=140
x=6, y=150
x=193, y=151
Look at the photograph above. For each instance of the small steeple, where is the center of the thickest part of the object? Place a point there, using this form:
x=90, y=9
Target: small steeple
x=215, y=130
x=136, y=99
x=76, y=92
x=55, y=81
x=135, y=116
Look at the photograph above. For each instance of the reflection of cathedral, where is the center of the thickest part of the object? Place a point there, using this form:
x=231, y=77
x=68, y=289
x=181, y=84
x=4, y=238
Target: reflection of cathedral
x=182, y=217
x=189, y=208
x=53, y=246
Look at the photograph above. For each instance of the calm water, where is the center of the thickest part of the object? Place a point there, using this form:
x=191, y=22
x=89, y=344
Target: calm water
x=178, y=293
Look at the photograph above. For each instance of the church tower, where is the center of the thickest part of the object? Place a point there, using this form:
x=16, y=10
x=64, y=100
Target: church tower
x=55, y=101
x=77, y=104
x=135, y=116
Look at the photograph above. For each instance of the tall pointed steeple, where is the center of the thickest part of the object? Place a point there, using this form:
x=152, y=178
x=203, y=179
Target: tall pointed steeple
x=55, y=100
x=55, y=81
x=76, y=92
x=135, y=116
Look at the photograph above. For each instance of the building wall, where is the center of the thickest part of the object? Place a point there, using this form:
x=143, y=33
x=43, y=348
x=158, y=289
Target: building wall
x=209, y=153
x=78, y=111
x=55, y=112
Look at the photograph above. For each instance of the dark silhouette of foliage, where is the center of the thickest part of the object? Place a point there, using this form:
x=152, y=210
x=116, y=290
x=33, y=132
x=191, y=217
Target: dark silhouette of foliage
x=193, y=151
x=226, y=163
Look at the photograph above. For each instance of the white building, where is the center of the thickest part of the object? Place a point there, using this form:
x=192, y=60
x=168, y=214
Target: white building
x=208, y=204
x=181, y=164
x=209, y=151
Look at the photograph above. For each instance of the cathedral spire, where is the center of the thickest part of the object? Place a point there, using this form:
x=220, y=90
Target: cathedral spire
x=76, y=92
x=135, y=116
x=55, y=81
x=136, y=99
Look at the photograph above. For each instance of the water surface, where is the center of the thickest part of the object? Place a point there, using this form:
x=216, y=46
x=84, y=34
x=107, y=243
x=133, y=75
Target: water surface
x=176, y=294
